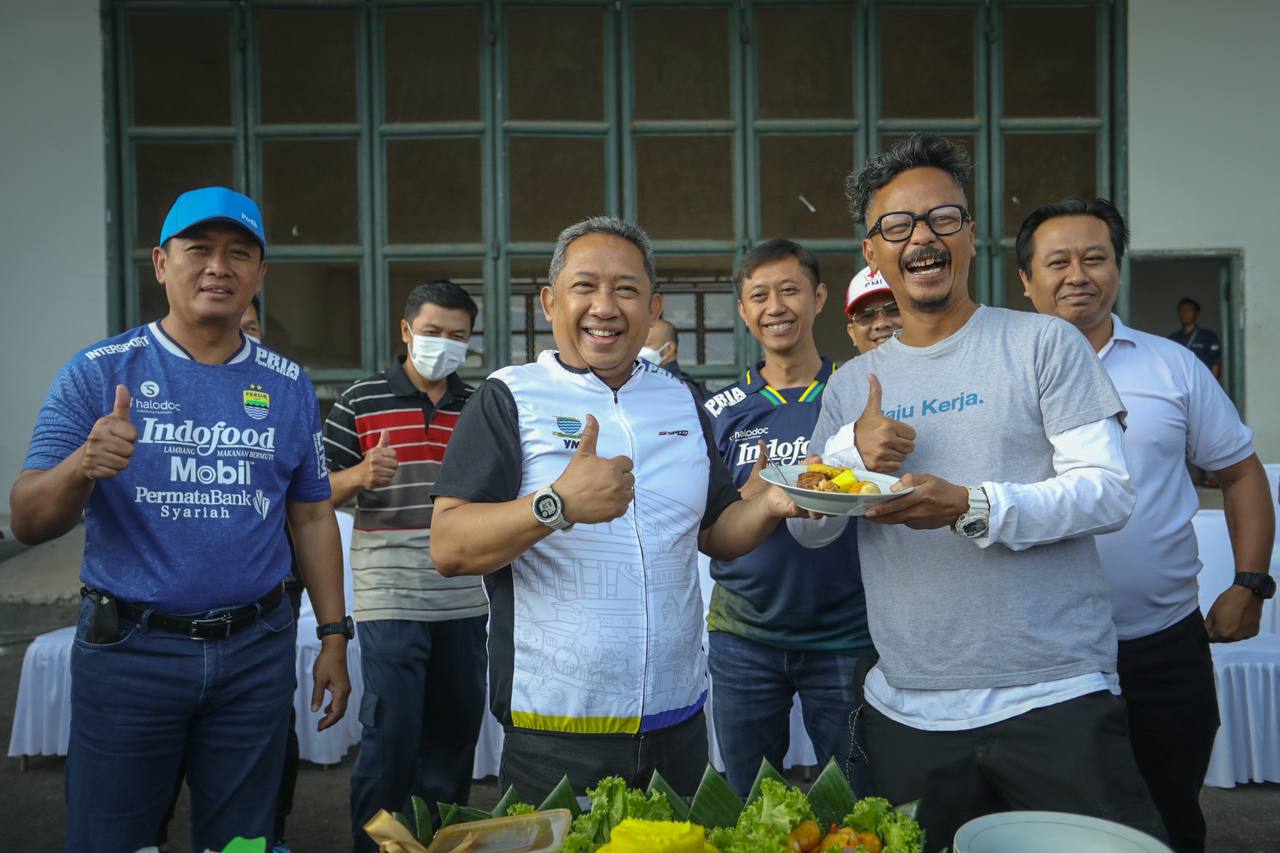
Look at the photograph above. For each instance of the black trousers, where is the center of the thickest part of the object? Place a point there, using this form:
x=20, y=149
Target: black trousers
x=1070, y=757
x=1167, y=681
x=535, y=761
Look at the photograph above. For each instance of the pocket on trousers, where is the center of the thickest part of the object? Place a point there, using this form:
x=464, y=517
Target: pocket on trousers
x=127, y=630
x=279, y=618
x=369, y=710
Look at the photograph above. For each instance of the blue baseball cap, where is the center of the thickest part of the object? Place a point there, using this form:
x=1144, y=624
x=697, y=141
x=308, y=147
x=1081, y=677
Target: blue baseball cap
x=214, y=204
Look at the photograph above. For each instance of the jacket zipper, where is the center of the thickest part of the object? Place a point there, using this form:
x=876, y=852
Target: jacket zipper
x=621, y=417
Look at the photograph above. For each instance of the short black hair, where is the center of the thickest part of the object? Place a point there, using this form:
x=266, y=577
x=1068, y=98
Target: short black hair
x=256, y=302
x=440, y=292
x=917, y=151
x=1187, y=300
x=775, y=250
x=1025, y=246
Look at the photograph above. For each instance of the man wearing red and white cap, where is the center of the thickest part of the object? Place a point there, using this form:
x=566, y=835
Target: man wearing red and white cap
x=873, y=314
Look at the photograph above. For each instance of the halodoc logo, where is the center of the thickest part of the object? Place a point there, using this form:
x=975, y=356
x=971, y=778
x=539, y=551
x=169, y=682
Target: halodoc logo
x=187, y=437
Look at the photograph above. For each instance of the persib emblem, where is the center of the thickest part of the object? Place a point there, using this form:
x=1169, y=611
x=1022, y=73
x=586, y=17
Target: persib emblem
x=257, y=403
x=568, y=427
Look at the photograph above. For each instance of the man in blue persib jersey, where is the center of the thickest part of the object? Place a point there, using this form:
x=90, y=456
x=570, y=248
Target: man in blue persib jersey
x=186, y=446
x=783, y=619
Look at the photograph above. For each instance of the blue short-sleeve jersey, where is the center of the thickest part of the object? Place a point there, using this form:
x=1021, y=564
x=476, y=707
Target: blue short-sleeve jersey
x=197, y=519
x=783, y=594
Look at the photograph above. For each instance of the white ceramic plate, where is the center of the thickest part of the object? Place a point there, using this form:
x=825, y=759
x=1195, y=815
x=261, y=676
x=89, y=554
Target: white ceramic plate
x=831, y=503
x=1050, y=832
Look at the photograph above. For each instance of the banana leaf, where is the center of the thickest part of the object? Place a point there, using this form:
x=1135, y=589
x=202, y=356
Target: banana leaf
x=714, y=803
x=509, y=799
x=831, y=796
x=453, y=813
x=405, y=822
x=679, y=808
x=766, y=771
x=422, y=817
x=909, y=809
x=562, y=797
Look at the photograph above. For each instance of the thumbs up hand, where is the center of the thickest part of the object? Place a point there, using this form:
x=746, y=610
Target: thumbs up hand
x=111, y=441
x=380, y=463
x=883, y=443
x=594, y=488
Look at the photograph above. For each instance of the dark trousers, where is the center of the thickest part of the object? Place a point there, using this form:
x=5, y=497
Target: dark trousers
x=1167, y=679
x=145, y=704
x=535, y=761
x=752, y=689
x=424, y=699
x=1070, y=757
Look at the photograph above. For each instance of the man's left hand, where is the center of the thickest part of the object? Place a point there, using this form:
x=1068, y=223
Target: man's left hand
x=933, y=503
x=330, y=674
x=1235, y=616
x=778, y=504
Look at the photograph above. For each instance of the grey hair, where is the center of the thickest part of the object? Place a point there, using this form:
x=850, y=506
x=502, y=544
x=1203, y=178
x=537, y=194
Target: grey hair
x=613, y=226
x=919, y=150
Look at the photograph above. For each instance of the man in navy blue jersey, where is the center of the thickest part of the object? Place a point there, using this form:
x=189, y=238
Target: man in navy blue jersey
x=783, y=619
x=186, y=446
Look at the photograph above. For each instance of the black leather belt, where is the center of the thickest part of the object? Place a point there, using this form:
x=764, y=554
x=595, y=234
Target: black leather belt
x=200, y=627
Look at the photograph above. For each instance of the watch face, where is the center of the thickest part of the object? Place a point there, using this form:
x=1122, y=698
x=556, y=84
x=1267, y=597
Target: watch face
x=547, y=507
x=975, y=528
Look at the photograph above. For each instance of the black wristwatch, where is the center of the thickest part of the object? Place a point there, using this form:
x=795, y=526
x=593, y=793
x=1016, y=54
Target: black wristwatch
x=1260, y=584
x=347, y=628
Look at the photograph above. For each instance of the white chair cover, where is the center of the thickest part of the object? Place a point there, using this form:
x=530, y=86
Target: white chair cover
x=42, y=716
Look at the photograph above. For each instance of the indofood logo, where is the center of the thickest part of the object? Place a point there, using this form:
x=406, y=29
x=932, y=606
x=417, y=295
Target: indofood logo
x=186, y=437
x=782, y=452
x=257, y=403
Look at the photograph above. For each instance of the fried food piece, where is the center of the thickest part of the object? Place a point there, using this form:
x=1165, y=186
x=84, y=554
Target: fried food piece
x=866, y=488
x=839, y=836
x=825, y=470
x=805, y=836
x=811, y=480
x=829, y=486
x=869, y=840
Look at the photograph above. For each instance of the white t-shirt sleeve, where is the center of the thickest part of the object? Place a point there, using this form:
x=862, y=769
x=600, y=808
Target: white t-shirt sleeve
x=1089, y=494
x=1216, y=437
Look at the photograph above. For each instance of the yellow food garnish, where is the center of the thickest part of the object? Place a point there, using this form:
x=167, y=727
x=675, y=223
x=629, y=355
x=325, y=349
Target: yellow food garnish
x=641, y=836
x=845, y=481
x=825, y=470
x=865, y=487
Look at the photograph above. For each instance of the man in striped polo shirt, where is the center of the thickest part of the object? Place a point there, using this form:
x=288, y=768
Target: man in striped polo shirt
x=422, y=636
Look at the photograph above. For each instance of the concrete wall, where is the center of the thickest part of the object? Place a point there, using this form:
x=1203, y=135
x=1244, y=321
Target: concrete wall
x=53, y=288
x=1204, y=80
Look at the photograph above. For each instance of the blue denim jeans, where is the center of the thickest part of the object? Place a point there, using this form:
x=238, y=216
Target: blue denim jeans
x=752, y=688
x=146, y=702
x=424, y=698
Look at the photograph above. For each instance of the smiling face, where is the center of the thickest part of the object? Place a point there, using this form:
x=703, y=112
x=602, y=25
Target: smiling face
x=927, y=272
x=1074, y=273
x=869, y=334
x=601, y=306
x=210, y=274
x=778, y=303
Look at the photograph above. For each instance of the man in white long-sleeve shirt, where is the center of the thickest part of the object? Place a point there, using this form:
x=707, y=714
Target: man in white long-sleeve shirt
x=985, y=594
x=1069, y=255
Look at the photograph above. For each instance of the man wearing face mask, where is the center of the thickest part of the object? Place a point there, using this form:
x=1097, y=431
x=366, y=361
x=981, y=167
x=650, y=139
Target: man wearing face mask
x=422, y=636
x=662, y=348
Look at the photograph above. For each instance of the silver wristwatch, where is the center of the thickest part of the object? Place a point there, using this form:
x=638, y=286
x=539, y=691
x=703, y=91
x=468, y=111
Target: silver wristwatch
x=974, y=523
x=548, y=507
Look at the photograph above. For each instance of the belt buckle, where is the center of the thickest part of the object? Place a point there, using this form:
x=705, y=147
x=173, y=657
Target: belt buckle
x=224, y=620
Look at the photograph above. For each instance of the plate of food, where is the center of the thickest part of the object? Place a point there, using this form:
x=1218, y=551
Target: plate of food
x=1050, y=832
x=832, y=490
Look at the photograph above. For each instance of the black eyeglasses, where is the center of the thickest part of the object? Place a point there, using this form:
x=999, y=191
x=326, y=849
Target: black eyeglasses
x=899, y=225
x=867, y=316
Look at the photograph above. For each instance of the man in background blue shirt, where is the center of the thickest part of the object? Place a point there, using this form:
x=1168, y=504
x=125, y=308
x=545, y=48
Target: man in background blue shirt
x=185, y=445
x=1203, y=342
x=783, y=619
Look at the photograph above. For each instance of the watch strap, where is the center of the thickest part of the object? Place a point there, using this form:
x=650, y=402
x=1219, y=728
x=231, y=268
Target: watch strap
x=1260, y=584
x=346, y=627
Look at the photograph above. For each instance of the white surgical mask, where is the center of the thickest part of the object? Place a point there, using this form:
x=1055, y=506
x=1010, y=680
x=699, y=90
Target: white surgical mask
x=654, y=355
x=436, y=358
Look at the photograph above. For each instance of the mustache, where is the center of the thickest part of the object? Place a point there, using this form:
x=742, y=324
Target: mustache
x=925, y=254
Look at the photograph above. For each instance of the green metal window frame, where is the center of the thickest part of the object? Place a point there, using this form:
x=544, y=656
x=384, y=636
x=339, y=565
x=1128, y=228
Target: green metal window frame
x=496, y=251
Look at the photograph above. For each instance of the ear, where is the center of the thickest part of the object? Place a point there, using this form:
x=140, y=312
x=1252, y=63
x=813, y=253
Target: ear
x=973, y=239
x=742, y=312
x=1026, y=283
x=160, y=261
x=655, y=308
x=406, y=334
x=869, y=252
x=820, y=296
x=853, y=338
x=547, y=298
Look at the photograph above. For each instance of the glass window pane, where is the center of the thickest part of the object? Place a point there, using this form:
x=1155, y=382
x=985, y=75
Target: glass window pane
x=432, y=67
x=802, y=186
x=1040, y=168
x=529, y=329
x=309, y=191
x=555, y=63
x=685, y=186
x=152, y=302
x=1050, y=61
x=830, y=327
x=312, y=312
x=181, y=68
x=404, y=276
x=804, y=61
x=166, y=170
x=307, y=65
x=926, y=62
x=433, y=191
x=698, y=300
x=554, y=182
x=681, y=63
x=717, y=348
